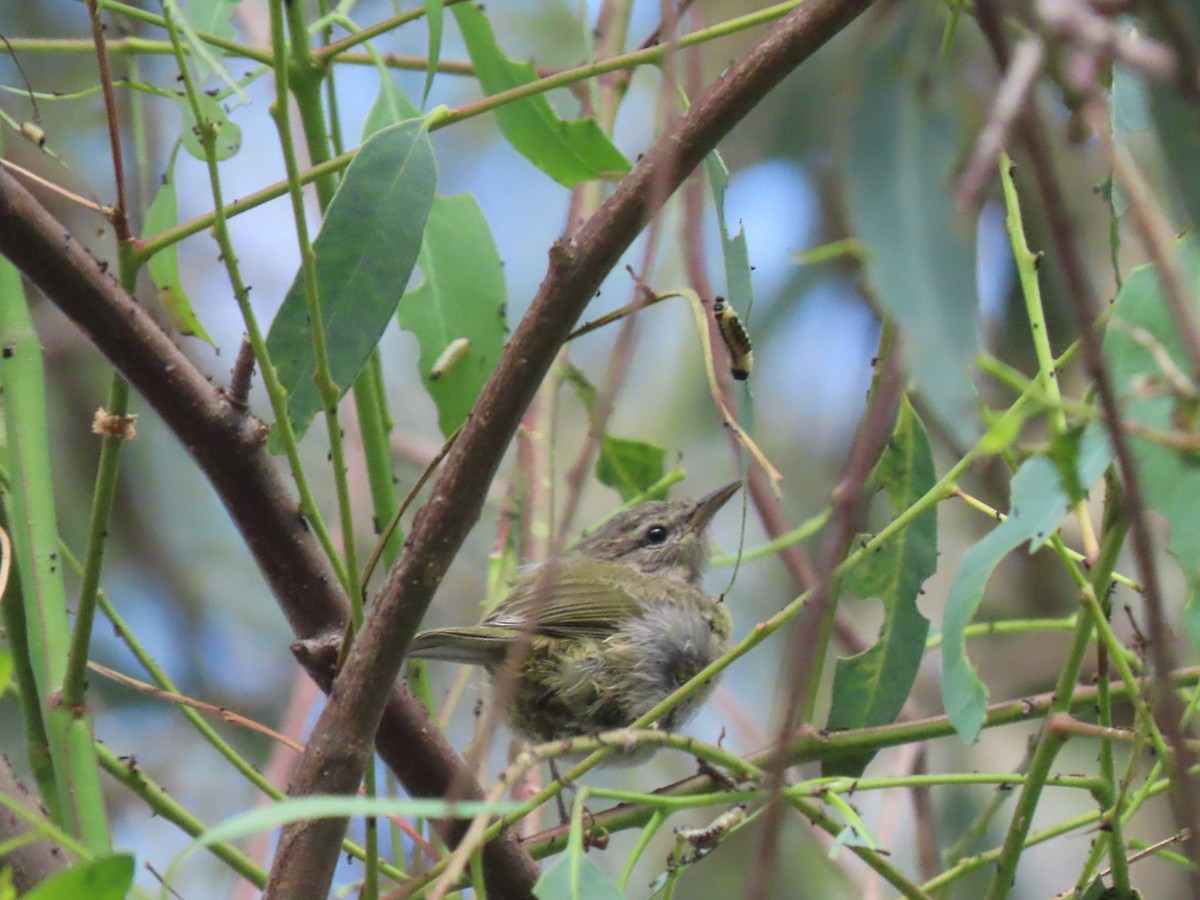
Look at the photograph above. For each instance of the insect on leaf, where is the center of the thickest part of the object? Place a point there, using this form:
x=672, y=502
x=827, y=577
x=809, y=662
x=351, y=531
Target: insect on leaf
x=459, y=305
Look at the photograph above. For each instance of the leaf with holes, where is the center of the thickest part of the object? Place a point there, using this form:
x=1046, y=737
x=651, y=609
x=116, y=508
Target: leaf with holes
x=458, y=309
x=870, y=688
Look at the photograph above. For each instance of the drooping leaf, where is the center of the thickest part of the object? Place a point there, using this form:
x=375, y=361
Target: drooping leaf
x=630, y=467
x=434, y=14
x=921, y=262
x=737, y=256
x=163, y=266
x=365, y=253
x=107, y=878
x=457, y=308
x=1039, y=503
x=567, y=151
x=870, y=688
x=1142, y=346
x=212, y=119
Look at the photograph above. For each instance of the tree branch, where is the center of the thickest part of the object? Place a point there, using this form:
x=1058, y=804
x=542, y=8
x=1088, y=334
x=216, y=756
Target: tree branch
x=229, y=446
x=338, y=749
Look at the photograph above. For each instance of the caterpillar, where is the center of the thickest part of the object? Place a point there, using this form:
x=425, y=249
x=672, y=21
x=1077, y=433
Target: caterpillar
x=736, y=338
x=454, y=352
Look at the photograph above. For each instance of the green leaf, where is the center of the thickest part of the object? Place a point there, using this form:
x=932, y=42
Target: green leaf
x=391, y=106
x=212, y=118
x=434, y=14
x=870, y=688
x=211, y=16
x=1141, y=345
x=1176, y=117
x=164, y=265
x=1039, y=503
x=921, y=264
x=1130, y=104
x=1064, y=453
x=737, y=256
x=569, y=152
x=575, y=877
x=6, y=669
x=630, y=467
x=1177, y=121
x=462, y=298
x=107, y=878
x=364, y=256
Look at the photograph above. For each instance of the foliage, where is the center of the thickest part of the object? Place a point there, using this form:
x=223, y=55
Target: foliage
x=982, y=545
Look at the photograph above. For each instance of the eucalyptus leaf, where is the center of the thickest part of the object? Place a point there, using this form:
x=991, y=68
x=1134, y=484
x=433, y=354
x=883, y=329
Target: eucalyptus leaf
x=107, y=878
x=572, y=876
x=738, y=290
x=390, y=107
x=1039, y=503
x=365, y=253
x=567, y=151
x=870, y=688
x=163, y=266
x=434, y=15
x=630, y=467
x=228, y=136
x=921, y=262
x=1141, y=345
x=458, y=308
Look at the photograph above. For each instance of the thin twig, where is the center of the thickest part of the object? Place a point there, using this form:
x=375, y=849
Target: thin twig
x=339, y=746
x=1168, y=709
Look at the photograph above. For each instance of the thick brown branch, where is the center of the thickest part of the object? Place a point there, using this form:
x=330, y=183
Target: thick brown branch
x=229, y=447
x=33, y=862
x=336, y=753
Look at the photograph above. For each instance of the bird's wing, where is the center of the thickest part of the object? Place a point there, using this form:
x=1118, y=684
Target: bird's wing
x=479, y=645
x=590, y=604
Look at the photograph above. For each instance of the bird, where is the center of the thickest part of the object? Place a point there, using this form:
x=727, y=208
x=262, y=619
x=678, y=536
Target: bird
x=612, y=628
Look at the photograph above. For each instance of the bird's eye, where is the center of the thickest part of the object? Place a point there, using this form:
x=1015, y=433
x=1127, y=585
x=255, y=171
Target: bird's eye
x=656, y=534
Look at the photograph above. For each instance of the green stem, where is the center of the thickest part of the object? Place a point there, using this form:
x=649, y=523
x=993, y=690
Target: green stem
x=1052, y=739
x=303, y=77
x=126, y=771
x=330, y=395
x=79, y=802
x=275, y=390
x=649, y=56
x=75, y=681
x=37, y=743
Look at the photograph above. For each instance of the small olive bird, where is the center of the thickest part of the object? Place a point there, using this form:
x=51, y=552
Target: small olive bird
x=620, y=622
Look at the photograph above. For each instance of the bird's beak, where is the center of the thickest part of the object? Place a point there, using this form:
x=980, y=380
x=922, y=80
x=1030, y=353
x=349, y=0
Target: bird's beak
x=707, y=506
